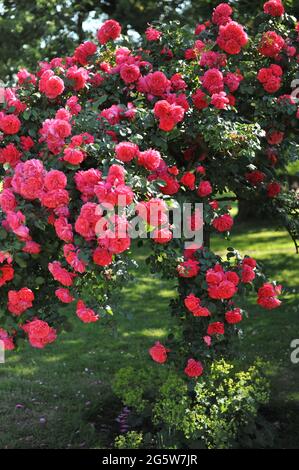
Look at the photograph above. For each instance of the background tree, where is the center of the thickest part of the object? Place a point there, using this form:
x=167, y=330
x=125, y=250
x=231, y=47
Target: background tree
x=34, y=30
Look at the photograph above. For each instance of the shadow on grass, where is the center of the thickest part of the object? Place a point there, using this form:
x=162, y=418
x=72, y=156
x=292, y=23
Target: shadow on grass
x=60, y=397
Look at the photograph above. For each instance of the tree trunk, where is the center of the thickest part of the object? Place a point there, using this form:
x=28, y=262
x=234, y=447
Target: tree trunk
x=250, y=210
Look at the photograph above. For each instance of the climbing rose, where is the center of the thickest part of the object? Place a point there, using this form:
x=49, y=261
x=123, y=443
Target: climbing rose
x=189, y=268
x=86, y=222
x=267, y=296
x=51, y=85
x=188, y=180
x=232, y=37
x=168, y=114
x=192, y=303
x=248, y=274
x=102, y=257
x=25, y=77
x=232, y=81
x=118, y=245
x=19, y=301
x=199, y=28
x=233, y=316
x=270, y=78
x=274, y=137
x=87, y=315
x=55, y=179
x=177, y=82
x=271, y=44
x=150, y=159
x=158, y=353
x=28, y=179
x=204, y=189
x=221, y=285
x=5, y=256
x=212, y=80
x=255, y=177
x=39, y=333
x=155, y=83
x=60, y=274
x=215, y=328
x=73, y=105
x=273, y=189
x=7, y=200
x=129, y=73
x=152, y=34
x=223, y=223
x=73, y=156
x=225, y=290
x=71, y=254
x=86, y=182
x=274, y=8
x=199, y=99
x=63, y=229
x=221, y=14
x=78, y=77
x=126, y=151
x=162, y=236
x=64, y=295
x=193, y=368
x=220, y=100
x=7, y=340
x=111, y=29
x=249, y=261
x=10, y=124
x=10, y=154
x=55, y=198
x=84, y=52
x=6, y=274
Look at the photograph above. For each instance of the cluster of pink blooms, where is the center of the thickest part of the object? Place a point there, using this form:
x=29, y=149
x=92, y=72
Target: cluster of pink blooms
x=10, y=155
x=9, y=123
x=51, y=85
x=267, y=296
x=154, y=213
x=223, y=223
x=7, y=340
x=39, y=333
x=192, y=303
x=46, y=172
x=256, y=177
x=232, y=37
x=270, y=78
x=248, y=270
x=168, y=114
x=149, y=159
x=188, y=268
x=54, y=132
x=19, y=301
x=219, y=86
x=7, y=274
x=271, y=44
x=110, y=30
x=221, y=285
x=274, y=137
x=87, y=315
x=274, y=8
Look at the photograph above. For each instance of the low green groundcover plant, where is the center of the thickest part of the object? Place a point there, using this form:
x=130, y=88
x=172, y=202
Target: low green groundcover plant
x=221, y=411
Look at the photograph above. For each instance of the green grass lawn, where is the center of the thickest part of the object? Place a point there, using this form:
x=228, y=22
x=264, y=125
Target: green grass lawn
x=55, y=397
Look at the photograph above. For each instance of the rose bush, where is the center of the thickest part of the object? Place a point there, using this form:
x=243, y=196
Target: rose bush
x=181, y=117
